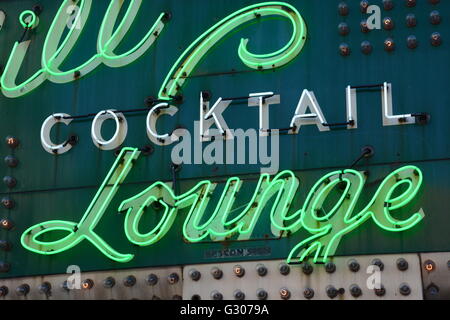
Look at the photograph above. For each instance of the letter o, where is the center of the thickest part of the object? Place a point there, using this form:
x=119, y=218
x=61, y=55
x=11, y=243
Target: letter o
x=49, y=123
x=120, y=134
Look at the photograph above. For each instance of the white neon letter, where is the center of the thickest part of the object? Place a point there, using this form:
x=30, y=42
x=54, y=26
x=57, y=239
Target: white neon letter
x=153, y=116
x=119, y=136
x=49, y=123
x=308, y=101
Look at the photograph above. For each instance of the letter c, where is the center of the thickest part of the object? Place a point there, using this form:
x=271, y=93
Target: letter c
x=49, y=123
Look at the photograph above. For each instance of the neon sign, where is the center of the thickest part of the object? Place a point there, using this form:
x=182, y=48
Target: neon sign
x=397, y=190
x=58, y=44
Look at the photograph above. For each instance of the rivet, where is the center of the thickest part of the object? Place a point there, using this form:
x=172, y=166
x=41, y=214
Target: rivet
x=388, y=23
x=402, y=264
x=152, y=280
x=4, y=291
x=332, y=292
x=195, y=275
x=412, y=42
x=239, y=295
x=344, y=29
x=354, y=266
x=5, y=245
x=216, y=273
x=378, y=263
x=355, y=291
x=10, y=182
x=436, y=39
x=285, y=294
x=23, y=290
x=11, y=161
x=388, y=5
x=6, y=224
x=109, y=283
x=261, y=270
x=239, y=271
x=4, y=267
x=87, y=284
x=45, y=288
x=410, y=3
x=411, y=20
x=262, y=294
x=364, y=5
x=380, y=292
x=344, y=49
x=307, y=268
x=343, y=9
x=364, y=27
x=308, y=293
x=405, y=289
x=8, y=203
x=12, y=142
x=284, y=269
x=173, y=278
x=435, y=17
x=129, y=281
x=330, y=267
x=366, y=47
x=216, y=295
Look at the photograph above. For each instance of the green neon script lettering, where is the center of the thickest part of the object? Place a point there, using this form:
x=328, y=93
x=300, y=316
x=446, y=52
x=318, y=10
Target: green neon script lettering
x=77, y=232
x=186, y=63
x=59, y=44
x=327, y=228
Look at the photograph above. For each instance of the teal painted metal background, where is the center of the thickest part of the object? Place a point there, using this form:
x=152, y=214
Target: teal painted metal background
x=61, y=187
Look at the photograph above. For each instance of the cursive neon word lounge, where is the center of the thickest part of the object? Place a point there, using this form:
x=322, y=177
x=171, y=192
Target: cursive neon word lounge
x=397, y=190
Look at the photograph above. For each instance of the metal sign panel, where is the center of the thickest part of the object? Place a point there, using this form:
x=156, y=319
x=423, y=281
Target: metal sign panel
x=352, y=80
